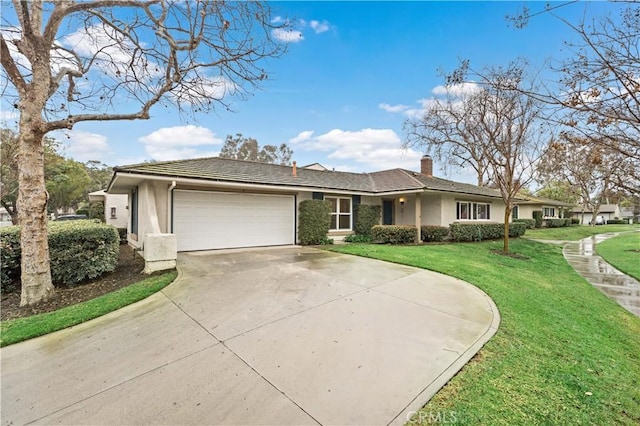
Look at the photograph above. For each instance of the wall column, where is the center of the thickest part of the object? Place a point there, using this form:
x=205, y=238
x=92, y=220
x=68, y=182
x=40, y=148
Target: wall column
x=418, y=209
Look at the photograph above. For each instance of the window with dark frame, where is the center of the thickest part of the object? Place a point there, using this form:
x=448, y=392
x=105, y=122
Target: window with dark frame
x=341, y=213
x=467, y=210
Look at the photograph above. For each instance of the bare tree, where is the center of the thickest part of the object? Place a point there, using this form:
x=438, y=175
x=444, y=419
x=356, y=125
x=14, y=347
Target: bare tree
x=449, y=131
x=589, y=167
x=598, y=90
x=497, y=123
x=69, y=61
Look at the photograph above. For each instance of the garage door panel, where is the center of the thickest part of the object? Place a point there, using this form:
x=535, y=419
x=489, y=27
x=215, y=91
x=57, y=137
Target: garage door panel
x=214, y=220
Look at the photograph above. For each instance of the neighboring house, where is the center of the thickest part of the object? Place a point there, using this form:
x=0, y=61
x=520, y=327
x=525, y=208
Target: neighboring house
x=115, y=207
x=550, y=209
x=607, y=211
x=214, y=203
x=628, y=213
x=5, y=218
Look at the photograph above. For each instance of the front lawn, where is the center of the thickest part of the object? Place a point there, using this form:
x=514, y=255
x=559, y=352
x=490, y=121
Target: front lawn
x=564, y=353
x=623, y=252
x=17, y=330
x=576, y=232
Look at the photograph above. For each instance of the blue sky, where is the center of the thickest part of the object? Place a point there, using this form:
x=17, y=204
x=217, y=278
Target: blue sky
x=341, y=93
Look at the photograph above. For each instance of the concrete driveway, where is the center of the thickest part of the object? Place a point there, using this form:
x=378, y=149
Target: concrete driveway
x=272, y=336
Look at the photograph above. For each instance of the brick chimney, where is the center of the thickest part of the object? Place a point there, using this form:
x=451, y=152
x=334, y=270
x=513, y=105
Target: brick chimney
x=426, y=166
x=294, y=170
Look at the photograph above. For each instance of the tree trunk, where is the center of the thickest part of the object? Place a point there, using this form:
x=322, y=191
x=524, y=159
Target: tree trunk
x=32, y=212
x=507, y=214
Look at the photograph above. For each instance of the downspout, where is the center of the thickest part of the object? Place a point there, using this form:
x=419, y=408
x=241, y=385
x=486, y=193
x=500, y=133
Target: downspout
x=170, y=207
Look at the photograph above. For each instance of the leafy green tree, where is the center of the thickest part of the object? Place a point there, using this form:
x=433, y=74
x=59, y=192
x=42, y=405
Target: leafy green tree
x=67, y=181
x=242, y=148
x=559, y=190
x=9, y=168
x=99, y=173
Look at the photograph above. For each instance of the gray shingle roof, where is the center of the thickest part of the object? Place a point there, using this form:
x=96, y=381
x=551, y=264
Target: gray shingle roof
x=218, y=169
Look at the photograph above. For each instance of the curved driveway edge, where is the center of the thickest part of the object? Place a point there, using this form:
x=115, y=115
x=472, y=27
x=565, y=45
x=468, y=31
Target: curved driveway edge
x=272, y=336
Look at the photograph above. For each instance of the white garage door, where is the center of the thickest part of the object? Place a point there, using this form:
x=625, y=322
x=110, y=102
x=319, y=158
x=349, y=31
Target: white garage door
x=215, y=220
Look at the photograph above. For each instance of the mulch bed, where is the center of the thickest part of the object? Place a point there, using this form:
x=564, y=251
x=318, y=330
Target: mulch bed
x=128, y=271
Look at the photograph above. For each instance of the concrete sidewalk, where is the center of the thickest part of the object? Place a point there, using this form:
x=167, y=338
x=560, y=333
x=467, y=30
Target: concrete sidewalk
x=582, y=256
x=280, y=336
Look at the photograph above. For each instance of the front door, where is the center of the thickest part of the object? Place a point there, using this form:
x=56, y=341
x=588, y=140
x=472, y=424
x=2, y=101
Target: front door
x=387, y=212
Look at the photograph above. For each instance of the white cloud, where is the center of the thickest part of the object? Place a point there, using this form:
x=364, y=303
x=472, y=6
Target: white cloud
x=197, y=88
x=302, y=137
x=180, y=142
x=277, y=20
x=84, y=146
x=9, y=118
x=113, y=53
x=287, y=36
x=456, y=89
x=372, y=149
x=319, y=27
x=393, y=108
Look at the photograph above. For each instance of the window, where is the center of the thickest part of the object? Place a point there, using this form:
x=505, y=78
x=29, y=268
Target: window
x=514, y=212
x=466, y=210
x=548, y=212
x=340, y=213
x=113, y=212
x=134, y=211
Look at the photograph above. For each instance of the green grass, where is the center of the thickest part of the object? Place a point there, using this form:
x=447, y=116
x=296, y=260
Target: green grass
x=576, y=232
x=564, y=353
x=17, y=330
x=623, y=252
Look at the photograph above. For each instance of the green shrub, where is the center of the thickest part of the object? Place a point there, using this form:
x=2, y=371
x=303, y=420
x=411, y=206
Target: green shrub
x=537, y=216
x=366, y=216
x=517, y=229
x=433, y=233
x=394, y=234
x=78, y=250
x=617, y=222
x=9, y=257
x=557, y=223
x=575, y=221
x=530, y=223
x=357, y=239
x=484, y=231
x=314, y=222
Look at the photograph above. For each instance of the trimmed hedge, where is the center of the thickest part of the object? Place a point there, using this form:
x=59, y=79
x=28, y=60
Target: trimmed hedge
x=516, y=230
x=557, y=223
x=433, y=233
x=366, y=217
x=462, y=232
x=314, y=222
x=575, y=221
x=394, y=234
x=79, y=250
x=617, y=222
x=530, y=223
x=357, y=239
x=537, y=216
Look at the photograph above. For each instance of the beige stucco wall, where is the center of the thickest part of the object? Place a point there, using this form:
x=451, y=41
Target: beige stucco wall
x=432, y=209
x=448, y=207
x=120, y=202
x=152, y=211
